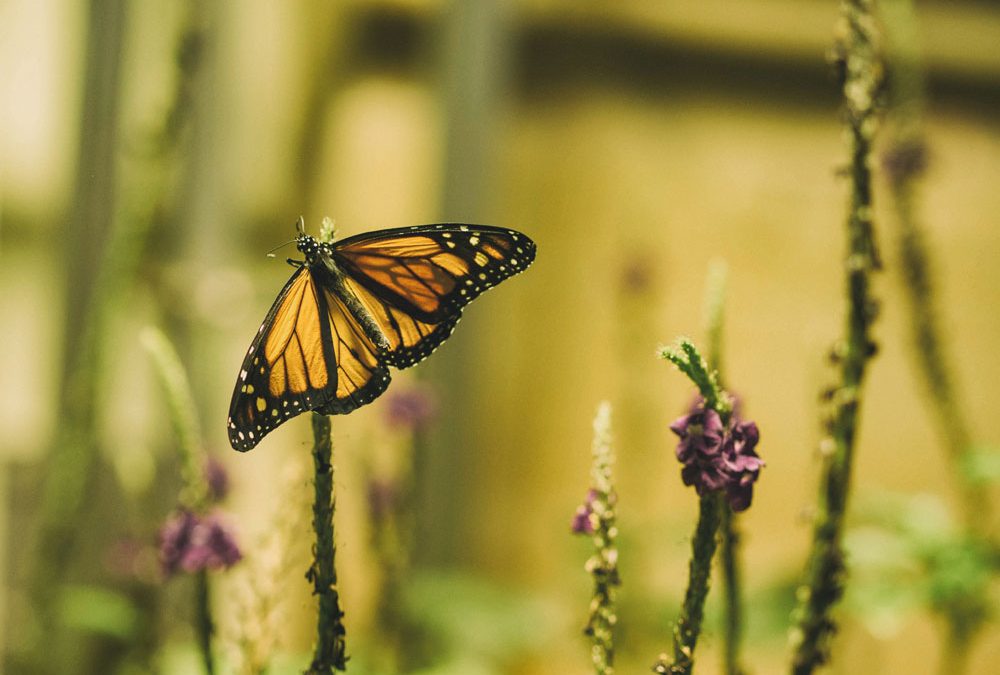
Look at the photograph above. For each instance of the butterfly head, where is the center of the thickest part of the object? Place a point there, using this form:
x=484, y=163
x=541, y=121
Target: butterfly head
x=308, y=246
x=312, y=248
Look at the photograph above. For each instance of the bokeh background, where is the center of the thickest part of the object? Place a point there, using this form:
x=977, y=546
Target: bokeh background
x=151, y=153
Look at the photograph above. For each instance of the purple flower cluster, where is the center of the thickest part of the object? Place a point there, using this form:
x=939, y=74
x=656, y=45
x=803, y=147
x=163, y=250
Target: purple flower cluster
x=383, y=498
x=217, y=480
x=717, y=457
x=583, y=519
x=192, y=542
x=411, y=409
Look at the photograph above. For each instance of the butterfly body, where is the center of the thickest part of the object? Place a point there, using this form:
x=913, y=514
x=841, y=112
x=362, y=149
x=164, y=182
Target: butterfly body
x=321, y=262
x=355, y=307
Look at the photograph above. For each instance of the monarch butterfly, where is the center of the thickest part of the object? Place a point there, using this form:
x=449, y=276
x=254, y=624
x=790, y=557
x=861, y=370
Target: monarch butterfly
x=355, y=307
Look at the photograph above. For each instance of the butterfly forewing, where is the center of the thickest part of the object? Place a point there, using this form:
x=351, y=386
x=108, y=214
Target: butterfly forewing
x=284, y=372
x=432, y=271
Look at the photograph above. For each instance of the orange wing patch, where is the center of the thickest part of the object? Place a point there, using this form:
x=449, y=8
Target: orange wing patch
x=294, y=348
x=422, y=281
x=434, y=273
x=356, y=355
x=410, y=340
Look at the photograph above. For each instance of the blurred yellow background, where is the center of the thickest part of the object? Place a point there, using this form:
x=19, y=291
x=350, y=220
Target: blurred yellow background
x=637, y=143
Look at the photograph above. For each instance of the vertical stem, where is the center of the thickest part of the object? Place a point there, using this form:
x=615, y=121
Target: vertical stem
x=688, y=625
x=729, y=539
x=715, y=304
x=325, y=81
x=330, y=651
x=603, y=565
x=729, y=536
x=904, y=163
x=183, y=416
x=826, y=571
x=203, y=620
x=474, y=41
x=955, y=652
x=66, y=491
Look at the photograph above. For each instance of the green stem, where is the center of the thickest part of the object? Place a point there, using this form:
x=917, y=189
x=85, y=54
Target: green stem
x=825, y=575
x=204, y=626
x=72, y=464
x=955, y=654
x=603, y=564
x=715, y=304
x=729, y=536
x=688, y=625
x=183, y=415
x=330, y=651
x=729, y=540
x=905, y=164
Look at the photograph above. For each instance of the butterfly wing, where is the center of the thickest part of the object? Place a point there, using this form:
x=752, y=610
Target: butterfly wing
x=430, y=272
x=362, y=374
x=287, y=370
x=410, y=340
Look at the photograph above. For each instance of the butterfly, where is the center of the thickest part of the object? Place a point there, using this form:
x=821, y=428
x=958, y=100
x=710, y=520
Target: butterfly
x=355, y=307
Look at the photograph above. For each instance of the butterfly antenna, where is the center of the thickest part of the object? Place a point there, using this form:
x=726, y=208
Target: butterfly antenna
x=270, y=254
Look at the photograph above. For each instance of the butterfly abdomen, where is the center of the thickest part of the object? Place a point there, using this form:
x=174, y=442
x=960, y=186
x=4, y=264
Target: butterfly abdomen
x=331, y=278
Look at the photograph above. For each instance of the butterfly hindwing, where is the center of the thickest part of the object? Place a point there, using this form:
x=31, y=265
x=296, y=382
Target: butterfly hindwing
x=410, y=340
x=361, y=372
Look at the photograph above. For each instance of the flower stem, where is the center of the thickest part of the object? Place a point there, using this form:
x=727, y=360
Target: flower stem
x=823, y=588
x=688, y=625
x=904, y=163
x=729, y=541
x=603, y=565
x=204, y=628
x=183, y=416
x=330, y=651
x=729, y=536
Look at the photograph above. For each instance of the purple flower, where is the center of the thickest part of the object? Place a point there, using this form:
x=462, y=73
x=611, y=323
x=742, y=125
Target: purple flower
x=700, y=448
x=636, y=275
x=217, y=479
x=191, y=543
x=383, y=498
x=743, y=463
x=906, y=160
x=410, y=409
x=716, y=457
x=583, y=521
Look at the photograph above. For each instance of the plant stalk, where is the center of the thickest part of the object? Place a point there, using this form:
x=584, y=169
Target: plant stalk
x=824, y=585
x=330, y=653
x=688, y=625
